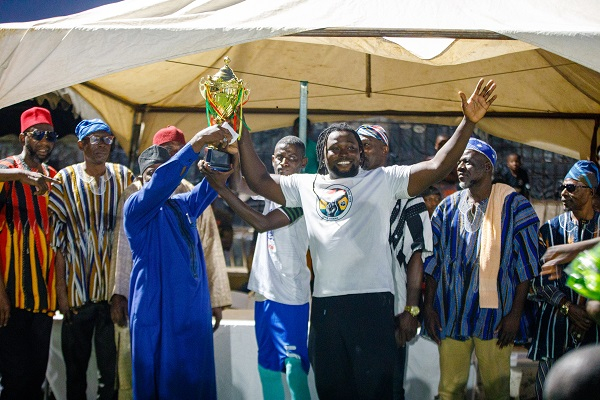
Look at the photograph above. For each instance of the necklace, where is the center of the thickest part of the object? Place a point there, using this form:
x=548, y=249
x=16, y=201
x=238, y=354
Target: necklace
x=471, y=215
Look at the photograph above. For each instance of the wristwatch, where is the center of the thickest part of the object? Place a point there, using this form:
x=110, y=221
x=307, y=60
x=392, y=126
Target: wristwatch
x=412, y=310
x=564, y=309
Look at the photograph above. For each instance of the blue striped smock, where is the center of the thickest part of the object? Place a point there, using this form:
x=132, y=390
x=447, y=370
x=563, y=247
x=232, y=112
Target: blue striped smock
x=455, y=265
x=551, y=337
x=83, y=215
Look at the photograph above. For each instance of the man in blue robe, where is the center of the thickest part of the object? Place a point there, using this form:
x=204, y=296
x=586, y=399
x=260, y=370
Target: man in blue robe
x=170, y=314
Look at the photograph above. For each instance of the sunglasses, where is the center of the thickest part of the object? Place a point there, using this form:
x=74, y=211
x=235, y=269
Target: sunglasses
x=51, y=136
x=97, y=139
x=571, y=187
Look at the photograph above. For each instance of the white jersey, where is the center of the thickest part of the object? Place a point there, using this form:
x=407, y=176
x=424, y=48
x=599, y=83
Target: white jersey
x=348, y=223
x=279, y=271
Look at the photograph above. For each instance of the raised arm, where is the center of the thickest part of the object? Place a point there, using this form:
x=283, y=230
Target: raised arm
x=262, y=223
x=426, y=173
x=168, y=176
x=256, y=174
x=558, y=256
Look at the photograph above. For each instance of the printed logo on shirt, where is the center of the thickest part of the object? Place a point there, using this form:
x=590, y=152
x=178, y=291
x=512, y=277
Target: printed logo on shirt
x=334, y=202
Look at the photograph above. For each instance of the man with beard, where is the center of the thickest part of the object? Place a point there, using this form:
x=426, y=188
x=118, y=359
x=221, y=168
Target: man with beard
x=485, y=254
x=347, y=211
x=27, y=296
x=83, y=205
x=562, y=323
x=411, y=242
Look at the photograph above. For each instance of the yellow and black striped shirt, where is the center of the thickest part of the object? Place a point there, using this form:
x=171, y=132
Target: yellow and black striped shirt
x=83, y=215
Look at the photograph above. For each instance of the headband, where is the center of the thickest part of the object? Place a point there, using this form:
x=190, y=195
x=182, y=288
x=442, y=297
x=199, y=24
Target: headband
x=374, y=131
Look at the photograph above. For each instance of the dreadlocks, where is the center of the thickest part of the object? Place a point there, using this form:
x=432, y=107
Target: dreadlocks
x=322, y=144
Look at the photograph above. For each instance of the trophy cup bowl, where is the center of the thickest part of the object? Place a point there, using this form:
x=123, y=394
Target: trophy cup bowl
x=224, y=93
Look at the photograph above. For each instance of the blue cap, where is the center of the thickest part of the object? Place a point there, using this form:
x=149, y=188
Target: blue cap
x=585, y=172
x=89, y=126
x=482, y=147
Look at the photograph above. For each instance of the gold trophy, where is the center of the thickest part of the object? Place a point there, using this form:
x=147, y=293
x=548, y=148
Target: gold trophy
x=225, y=95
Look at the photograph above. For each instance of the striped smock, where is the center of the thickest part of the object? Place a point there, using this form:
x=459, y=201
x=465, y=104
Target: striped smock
x=83, y=214
x=455, y=265
x=551, y=338
x=26, y=258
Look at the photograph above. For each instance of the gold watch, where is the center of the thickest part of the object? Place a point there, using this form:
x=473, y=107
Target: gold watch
x=564, y=309
x=412, y=310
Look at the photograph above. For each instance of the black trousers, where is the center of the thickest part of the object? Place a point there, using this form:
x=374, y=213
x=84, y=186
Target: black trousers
x=351, y=346
x=399, y=373
x=24, y=349
x=77, y=348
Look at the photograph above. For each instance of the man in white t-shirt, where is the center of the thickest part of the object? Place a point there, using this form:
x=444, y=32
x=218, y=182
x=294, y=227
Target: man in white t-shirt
x=411, y=241
x=279, y=277
x=347, y=212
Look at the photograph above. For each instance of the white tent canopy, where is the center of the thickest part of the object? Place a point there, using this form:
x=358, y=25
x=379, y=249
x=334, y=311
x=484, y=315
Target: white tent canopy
x=140, y=61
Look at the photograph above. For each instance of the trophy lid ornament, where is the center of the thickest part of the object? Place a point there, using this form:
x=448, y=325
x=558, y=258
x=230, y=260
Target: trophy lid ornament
x=225, y=73
x=225, y=94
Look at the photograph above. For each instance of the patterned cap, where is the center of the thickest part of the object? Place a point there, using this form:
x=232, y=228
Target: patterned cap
x=482, y=147
x=89, y=126
x=585, y=172
x=374, y=131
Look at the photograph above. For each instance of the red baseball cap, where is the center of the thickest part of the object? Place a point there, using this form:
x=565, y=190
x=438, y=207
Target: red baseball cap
x=34, y=116
x=168, y=134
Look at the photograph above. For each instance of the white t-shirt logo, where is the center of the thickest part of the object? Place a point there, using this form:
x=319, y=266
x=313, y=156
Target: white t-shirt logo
x=334, y=202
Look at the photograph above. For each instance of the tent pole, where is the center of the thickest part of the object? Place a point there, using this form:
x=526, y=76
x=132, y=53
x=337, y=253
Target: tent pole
x=368, y=75
x=594, y=142
x=138, y=118
x=302, y=118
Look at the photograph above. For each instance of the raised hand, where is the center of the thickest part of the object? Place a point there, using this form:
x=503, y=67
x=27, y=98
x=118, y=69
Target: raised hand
x=477, y=105
x=214, y=135
x=217, y=179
